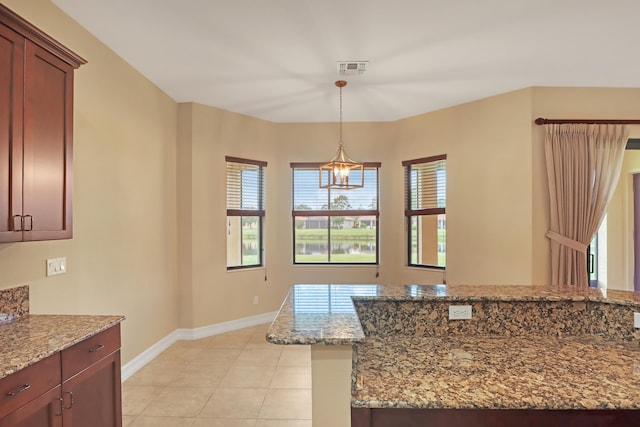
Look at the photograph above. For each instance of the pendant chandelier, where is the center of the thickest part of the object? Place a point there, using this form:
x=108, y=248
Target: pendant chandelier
x=336, y=173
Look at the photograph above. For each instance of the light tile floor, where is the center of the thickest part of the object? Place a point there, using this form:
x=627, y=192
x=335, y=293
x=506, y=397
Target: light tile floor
x=236, y=379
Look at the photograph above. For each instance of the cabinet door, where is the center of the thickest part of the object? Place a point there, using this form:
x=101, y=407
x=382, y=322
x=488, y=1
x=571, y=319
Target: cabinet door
x=96, y=394
x=11, y=71
x=45, y=411
x=47, y=162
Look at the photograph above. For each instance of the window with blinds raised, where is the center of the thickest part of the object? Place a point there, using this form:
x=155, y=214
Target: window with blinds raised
x=425, y=210
x=245, y=212
x=334, y=226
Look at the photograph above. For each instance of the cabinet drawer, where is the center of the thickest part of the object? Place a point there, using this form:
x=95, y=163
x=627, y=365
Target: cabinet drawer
x=84, y=354
x=28, y=383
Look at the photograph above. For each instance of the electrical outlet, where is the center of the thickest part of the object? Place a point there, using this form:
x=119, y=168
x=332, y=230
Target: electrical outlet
x=636, y=320
x=256, y=299
x=56, y=266
x=460, y=312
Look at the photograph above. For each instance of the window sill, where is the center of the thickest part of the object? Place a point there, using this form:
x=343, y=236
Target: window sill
x=426, y=267
x=238, y=269
x=341, y=265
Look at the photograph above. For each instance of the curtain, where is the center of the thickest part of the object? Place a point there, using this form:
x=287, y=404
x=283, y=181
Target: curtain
x=583, y=167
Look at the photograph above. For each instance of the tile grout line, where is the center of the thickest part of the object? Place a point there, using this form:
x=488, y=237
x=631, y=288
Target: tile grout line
x=249, y=343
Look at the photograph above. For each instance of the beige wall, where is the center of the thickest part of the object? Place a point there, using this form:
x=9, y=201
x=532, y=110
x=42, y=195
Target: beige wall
x=122, y=258
x=487, y=143
x=210, y=294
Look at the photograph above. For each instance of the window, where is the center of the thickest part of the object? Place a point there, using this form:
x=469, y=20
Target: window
x=597, y=257
x=334, y=226
x=425, y=204
x=245, y=212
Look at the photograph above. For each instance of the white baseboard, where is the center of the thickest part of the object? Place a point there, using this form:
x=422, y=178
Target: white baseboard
x=220, y=328
x=148, y=355
x=156, y=349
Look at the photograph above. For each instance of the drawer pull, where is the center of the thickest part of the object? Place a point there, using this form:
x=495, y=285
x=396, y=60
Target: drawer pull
x=96, y=348
x=20, y=390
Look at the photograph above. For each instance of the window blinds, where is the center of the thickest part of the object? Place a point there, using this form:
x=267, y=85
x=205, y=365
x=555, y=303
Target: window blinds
x=245, y=187
x=425, y=192
x=308, y=197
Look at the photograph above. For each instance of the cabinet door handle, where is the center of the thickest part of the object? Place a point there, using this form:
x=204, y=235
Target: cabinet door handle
x=70, y=400
x=21, y=227
x=30, y=222
x=61, y=402
x=25, y=387
x=96, y=348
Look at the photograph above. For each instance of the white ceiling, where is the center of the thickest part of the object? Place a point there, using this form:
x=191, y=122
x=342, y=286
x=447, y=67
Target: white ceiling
x=276, y=59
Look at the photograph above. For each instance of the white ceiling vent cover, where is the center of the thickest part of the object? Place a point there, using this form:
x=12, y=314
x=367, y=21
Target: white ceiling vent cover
x=352, y=68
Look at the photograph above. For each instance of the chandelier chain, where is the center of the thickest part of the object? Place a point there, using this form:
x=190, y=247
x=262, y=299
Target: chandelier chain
x=335, y=173
x=341, y=116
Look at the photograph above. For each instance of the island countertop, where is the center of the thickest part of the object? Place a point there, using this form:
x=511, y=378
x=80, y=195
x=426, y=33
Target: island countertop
x=31, y=338
x=526, y=347
x=324, y=313
x=534, y=372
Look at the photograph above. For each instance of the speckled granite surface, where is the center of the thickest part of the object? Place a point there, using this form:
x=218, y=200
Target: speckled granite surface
x=532, y=372
x=14, y=303
x=525, y=347
x=499, y=318
x=28, y=339
x=314, y=314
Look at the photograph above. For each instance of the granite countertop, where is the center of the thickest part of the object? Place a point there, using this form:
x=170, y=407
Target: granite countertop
x=527, y=347
x=31, y=338
x=315, y=313
x=582, y=372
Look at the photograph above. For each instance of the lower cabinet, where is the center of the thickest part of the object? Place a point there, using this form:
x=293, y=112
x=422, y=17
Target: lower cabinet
x=45, y=410
x=77, y=387
x=93, y=396
x=394, y=417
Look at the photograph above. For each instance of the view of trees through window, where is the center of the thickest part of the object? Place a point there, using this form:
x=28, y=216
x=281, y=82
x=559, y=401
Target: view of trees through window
x=249, y=236
x=335, y=226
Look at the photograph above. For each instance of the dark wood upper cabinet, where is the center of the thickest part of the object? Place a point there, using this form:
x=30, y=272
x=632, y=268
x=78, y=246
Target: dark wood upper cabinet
x=36, y=132
x=11, y=90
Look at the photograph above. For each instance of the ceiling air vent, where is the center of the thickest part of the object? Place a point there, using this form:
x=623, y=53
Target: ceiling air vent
x=351, y=68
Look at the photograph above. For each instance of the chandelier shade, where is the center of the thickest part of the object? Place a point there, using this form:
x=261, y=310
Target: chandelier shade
x=338, y=173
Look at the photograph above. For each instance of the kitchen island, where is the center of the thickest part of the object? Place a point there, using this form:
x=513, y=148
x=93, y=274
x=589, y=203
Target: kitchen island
x=392, y=353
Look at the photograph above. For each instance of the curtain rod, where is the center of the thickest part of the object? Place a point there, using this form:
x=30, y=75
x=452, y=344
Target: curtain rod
x=541, y=121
